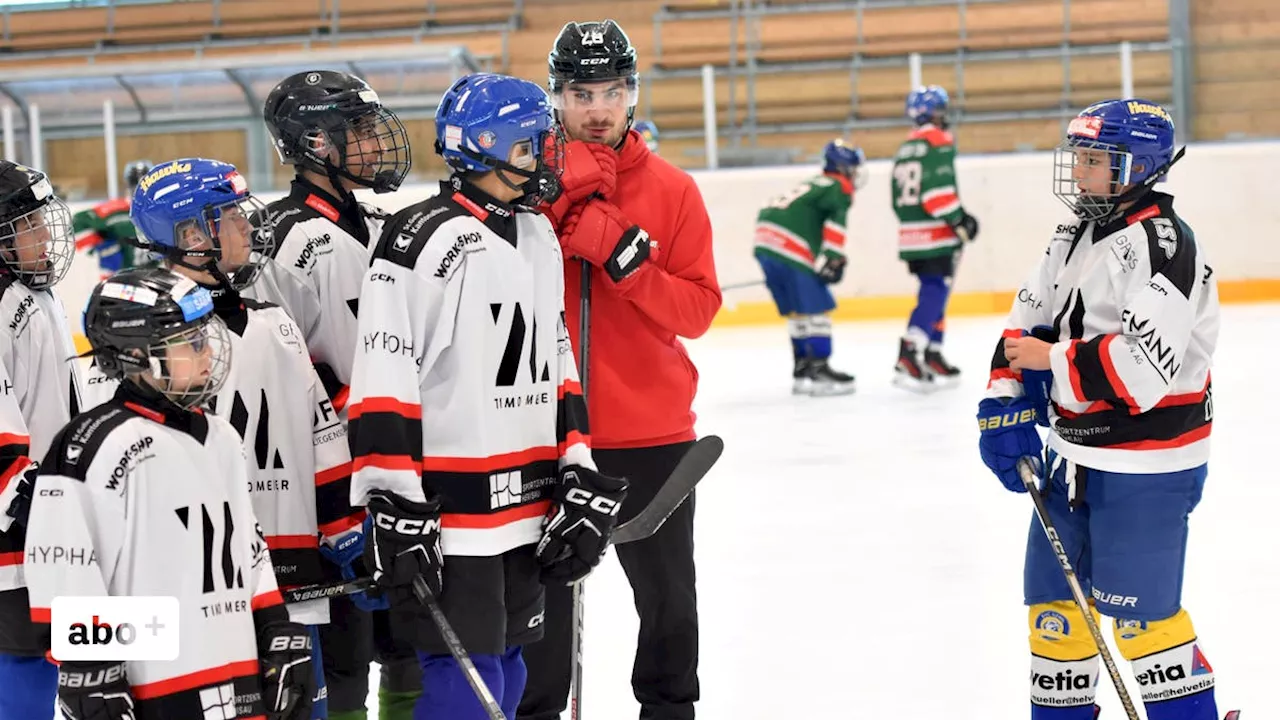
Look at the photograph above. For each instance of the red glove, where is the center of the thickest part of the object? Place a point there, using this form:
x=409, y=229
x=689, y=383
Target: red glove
x=587, y=169
x=599, y=233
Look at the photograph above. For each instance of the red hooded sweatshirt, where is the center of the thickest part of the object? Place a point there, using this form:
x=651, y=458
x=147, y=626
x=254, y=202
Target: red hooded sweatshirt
x=642, y=382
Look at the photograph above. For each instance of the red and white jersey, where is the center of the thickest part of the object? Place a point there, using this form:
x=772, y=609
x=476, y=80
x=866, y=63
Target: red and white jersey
x=299, y=462
x=464, y=377
x=1135, y=309
x=39, y=394
x=137, y=500
x=322, y=251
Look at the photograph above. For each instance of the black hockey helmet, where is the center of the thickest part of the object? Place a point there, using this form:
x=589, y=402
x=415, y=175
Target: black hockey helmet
x=314, y=114
x=136, y=316
x=37, y=240
x=134, y=172
x=593, y=52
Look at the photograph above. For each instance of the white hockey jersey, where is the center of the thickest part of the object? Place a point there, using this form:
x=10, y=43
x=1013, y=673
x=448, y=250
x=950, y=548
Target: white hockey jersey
x=322, y=252
x=1135, y=309
x=300, y=465
x=464, y=376
x=133, y=499
x=39, y=394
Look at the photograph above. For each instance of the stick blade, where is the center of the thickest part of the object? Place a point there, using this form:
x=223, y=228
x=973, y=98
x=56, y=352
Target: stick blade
x=695, y=464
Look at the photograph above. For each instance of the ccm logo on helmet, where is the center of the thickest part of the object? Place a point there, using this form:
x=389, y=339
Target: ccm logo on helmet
x=593, y=61
x=407, y=526
x=600, y=504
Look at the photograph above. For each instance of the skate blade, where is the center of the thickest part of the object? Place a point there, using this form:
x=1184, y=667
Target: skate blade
x=942, y=382
x=833, y=390
x=915, y=385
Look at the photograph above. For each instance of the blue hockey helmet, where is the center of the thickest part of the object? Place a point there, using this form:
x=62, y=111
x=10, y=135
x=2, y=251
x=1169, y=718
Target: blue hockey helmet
x=928, y=105
x=488, y=122
x=846, y=160
x=649, y=132
x=1129, y=142
x=199, y=214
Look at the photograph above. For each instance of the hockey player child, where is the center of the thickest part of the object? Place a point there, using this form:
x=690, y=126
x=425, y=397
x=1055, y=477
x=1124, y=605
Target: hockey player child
x=800, y=247
x=104, y=230
x=932, y=230
x=181, y=504
x=468, y=426
x=200, y=218
x=1119, y=324
x=39, y=396
x=334, y=130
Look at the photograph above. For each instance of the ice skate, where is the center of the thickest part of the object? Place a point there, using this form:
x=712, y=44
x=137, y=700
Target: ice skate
x=801, y=378
x=945, y=375
x=911, y=372
x=826, y=381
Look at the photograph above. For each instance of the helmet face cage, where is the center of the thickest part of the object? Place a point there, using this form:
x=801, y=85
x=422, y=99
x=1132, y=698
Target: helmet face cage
x=39, y=245
x=190, y=367
x=1089, y=175
x=371, y=150
x=238, y=235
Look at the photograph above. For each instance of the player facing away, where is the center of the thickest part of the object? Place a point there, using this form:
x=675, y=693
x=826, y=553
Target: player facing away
x=799, y=244
x=39, y=394
x=932, y=230
x=640, y=227
x=104, y=230
x=206, y=225
x=1118, y=324
x=469, y=430
x=335, y=131
x=154, y=492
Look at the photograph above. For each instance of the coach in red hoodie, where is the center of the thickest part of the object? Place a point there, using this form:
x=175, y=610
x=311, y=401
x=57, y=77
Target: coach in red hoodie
x=642, y=225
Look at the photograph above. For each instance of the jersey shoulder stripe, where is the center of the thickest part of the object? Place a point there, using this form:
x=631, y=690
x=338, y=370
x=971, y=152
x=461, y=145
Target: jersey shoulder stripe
x=1171, y=249
x=286, y=213
x=407, y=232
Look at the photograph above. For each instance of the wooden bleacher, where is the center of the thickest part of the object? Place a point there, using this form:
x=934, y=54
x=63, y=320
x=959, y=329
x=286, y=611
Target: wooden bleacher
x=1237, y=57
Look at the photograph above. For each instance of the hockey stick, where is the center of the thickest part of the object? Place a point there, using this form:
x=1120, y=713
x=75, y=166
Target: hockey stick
x=459, y=653
x=1027, y=471
x=741, y=285
x=584, y=369
x=695, y=464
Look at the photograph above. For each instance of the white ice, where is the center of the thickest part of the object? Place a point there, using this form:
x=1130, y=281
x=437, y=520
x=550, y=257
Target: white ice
x=857, y=560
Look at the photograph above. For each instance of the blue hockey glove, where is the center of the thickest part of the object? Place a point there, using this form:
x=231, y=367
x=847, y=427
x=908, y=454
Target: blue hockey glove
x=345, y=554
x=1009, y=433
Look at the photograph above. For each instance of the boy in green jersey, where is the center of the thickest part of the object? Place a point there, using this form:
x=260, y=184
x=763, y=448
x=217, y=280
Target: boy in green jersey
x=799, y=244
x=932, y=230
x=105, y=230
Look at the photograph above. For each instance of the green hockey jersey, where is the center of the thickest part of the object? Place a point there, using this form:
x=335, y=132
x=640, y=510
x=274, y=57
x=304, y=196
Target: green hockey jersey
x=924, y=194
x=802, y=225
x=104, y=230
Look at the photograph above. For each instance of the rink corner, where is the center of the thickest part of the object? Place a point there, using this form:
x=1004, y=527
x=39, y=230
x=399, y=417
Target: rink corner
x=898, y=307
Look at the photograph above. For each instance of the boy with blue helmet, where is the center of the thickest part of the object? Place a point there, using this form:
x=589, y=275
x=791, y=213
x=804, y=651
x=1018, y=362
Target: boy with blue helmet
x=468, y=426
x=799, y=244
x=933, y=227
x=198, y=216
x=1109, y=345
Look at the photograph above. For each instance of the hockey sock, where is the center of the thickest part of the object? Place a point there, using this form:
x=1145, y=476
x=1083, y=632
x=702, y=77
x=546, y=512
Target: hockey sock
x=394, y=705
x=798, y=327
x=320, y=703
x=514, y=677
x=31, y=687
x=1064, y=662
x=931, y=305
x=819, y=340
x=446, y=694
x=1175, y=677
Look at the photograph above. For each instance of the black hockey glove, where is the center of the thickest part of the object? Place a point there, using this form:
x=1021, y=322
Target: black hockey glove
x=288, y=680
x=94, y=691
x=966, y=228
x=578, y=528
x=20, y=507
x=832, y=270
x=405, y=544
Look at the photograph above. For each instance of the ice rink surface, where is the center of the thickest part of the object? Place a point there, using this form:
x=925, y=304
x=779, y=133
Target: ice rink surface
x=857, y=560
